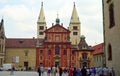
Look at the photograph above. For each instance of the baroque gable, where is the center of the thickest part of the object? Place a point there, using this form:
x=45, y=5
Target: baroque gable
x=57, y=28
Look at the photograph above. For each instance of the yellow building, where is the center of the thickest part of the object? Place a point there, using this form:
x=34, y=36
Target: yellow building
x=22, y=52
x=111, y=19
x=2, y=42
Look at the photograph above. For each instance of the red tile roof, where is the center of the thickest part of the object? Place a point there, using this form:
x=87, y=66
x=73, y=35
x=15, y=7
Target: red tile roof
x=21, y=42
x=98, y=49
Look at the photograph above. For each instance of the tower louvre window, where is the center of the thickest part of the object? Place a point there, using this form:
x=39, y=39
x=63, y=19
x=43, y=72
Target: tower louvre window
x=40, y=33
x=75, y=28
x=41, y=27
x=75, y=33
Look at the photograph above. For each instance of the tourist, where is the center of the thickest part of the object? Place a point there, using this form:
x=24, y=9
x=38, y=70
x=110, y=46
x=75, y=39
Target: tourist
x=42, y=70
x=12, y=69
x=60, y=71
x=57, y=71
x=83, y=71
x=112, y=72
x=49, y=71
x=54, y=70
x=78, y=72
x=74, y=72
x=105, y=71
x=39, y=71
x=70, y=72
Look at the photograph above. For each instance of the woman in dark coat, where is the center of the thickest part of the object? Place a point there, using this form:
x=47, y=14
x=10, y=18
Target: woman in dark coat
x=83, y=71
x=39, y=71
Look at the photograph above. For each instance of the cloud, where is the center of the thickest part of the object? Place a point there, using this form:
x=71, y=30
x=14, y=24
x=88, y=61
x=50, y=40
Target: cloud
x=3, y=1
x=21, y=20
x=17, y=12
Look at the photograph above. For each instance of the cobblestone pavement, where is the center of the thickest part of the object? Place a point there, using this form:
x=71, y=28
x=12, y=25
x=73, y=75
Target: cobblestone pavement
x=18, y=73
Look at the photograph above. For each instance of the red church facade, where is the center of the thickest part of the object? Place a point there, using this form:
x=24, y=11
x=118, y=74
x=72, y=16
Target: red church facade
x=55, y=48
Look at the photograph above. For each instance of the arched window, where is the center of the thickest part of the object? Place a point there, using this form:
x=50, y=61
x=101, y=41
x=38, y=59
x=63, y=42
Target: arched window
x=57, y=49
x=109, y=52
x=84, y=55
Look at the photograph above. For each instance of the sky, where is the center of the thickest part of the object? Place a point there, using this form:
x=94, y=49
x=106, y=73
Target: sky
x=20, y=17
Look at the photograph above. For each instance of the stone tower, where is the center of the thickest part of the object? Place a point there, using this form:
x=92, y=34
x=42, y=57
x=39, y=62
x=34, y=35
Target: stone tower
x=74, y=27
x=41, y=23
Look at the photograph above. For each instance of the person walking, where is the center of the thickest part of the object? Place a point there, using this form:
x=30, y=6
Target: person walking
x=39, y=71
x=74, y=72
x=60, y=69
x=112, y=72
x=78, y=72
x=70, y=72
x=12, y=69
x=49, y=71
x=57, y=71
x=42, y=70
x=54, y=70
x=83, y=71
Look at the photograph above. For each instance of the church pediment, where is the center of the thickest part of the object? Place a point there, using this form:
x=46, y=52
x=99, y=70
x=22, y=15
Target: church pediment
x=57, y=28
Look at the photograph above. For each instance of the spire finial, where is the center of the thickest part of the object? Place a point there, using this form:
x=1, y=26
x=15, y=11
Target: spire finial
x=57, y=14
x=74, y=3
x=41, y=3
x=57, y=19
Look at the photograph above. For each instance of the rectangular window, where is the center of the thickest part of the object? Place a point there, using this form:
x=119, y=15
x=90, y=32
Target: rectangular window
x=73, y=52
x=65, y=52
x=40, y=33
x=41, y=27
x=57, y=37
x=75, y=28
x=75, y=33
x=41, y=51
x=111, y=16
x=49, y=52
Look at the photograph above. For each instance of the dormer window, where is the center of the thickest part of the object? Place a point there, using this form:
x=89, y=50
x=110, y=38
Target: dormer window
x=83, y=47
